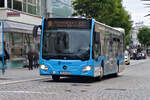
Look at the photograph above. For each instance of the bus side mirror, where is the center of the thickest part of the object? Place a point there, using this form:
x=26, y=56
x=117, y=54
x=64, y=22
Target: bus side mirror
x=35, y=30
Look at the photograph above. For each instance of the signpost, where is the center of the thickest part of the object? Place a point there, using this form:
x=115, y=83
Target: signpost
x=2, y=44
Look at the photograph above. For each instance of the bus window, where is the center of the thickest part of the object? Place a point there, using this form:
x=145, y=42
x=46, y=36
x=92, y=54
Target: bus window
x=96, y=45
x=61, y=43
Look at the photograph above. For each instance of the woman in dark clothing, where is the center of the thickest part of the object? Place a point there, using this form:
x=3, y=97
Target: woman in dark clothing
x=30, y=58
x=6, y=56
x=36, y=58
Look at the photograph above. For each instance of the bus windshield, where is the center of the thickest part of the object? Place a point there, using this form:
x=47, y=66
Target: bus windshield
x=61, y=43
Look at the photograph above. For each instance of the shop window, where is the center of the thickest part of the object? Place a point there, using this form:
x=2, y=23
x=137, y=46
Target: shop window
x=16, y=45
x=2, y=3
x=17, y=4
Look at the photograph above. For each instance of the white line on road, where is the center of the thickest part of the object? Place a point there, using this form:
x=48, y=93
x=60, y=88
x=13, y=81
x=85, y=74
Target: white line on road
x=28, y=92
x=20, y=81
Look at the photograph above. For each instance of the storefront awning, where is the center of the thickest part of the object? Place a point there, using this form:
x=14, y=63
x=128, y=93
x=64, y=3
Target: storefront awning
x=17, y=27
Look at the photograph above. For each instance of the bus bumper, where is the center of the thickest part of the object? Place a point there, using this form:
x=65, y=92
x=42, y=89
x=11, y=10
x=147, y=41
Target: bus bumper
x=67, y=73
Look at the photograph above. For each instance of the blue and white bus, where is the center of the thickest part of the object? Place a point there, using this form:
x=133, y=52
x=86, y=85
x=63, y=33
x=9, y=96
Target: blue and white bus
x=79, y=47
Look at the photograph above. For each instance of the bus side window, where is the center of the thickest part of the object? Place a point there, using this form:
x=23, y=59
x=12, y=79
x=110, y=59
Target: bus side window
x=96, y=45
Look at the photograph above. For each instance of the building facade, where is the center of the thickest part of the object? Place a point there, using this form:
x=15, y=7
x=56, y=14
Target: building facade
x=19, y=17
x=56, y=8
x=135, y=31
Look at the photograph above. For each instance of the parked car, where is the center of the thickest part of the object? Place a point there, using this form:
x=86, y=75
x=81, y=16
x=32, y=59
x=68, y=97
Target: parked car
x=133, y=56
x=127, y=58
x=139, y=56
x=143, y=55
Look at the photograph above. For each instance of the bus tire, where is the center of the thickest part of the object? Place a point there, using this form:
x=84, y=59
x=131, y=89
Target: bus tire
x=101, y=74
x=55, y=77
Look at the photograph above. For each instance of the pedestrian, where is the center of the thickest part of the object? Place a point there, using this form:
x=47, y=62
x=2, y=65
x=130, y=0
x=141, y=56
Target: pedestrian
x=36, y=58
x=30, y=58
x=6, y=56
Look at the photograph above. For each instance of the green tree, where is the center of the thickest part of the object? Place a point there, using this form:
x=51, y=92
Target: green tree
x=110, y=12
x=144, y=35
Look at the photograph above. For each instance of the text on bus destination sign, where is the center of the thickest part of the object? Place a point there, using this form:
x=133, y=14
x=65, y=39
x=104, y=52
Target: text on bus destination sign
x=68, y=24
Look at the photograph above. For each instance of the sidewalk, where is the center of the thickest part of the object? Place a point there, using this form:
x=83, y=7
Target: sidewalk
x=17, y=74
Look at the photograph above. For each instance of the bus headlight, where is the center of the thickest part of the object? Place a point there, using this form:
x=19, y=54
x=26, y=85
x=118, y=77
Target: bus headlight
x=43, y=67
x=87, y=68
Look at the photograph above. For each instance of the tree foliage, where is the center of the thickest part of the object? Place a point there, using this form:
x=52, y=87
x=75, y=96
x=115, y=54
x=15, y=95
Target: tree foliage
x=110, y=12
x=144, y=35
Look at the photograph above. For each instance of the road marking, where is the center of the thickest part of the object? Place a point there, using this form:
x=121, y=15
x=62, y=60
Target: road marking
x=29, y=92
x=21, y=81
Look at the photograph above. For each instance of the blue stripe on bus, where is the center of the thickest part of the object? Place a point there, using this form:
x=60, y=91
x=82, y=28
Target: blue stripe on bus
x=42, y=38
x=93, y=22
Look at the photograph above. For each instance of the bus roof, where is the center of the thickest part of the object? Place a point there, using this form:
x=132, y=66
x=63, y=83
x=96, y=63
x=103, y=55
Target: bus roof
x=121, y=30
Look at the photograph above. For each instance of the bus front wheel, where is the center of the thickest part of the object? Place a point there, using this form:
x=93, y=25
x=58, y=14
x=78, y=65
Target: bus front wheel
x=101, y=75
x=55, y=77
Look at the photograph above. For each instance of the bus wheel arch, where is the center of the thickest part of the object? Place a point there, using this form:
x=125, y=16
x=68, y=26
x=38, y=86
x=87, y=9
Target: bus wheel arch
x=116, y=74
x=102, y=69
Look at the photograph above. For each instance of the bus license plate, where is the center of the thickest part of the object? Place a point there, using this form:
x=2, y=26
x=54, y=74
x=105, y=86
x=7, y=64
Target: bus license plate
x=65, y=73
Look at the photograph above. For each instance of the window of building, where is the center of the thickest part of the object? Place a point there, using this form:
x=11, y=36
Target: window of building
x=32, y=6
x=17, y=4
x=31, y=9
x=25, y=5
x=29, y=6
x=32, y=1
x=9, y=3
x=2, y=3
x=18, y=44
x=14, y=41
x=38, y=7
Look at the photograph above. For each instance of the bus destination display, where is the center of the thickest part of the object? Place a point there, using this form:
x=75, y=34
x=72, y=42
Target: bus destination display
x=82, y=24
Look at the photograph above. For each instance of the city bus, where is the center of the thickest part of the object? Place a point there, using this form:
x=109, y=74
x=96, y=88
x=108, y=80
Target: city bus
x=79, y=47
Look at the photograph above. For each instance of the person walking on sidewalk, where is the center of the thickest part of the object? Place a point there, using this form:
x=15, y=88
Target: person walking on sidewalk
x=6, y=55
x=36, y=58
x=30, y=58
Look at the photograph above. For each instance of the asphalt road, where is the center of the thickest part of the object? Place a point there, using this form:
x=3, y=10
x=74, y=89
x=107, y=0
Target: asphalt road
x=132, y=84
